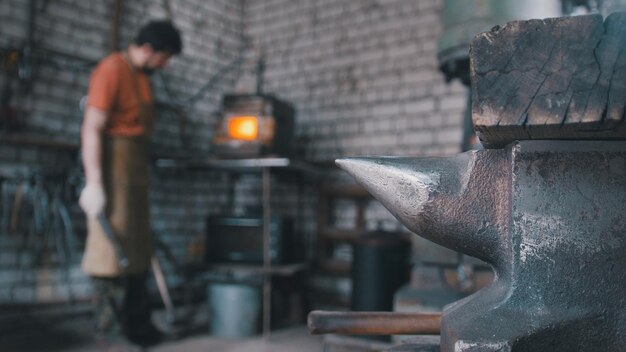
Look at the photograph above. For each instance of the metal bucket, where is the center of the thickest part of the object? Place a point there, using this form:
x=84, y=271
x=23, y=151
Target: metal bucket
x=234, y=309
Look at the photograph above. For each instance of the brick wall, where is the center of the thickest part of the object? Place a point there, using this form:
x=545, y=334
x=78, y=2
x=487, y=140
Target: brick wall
x=362, y=76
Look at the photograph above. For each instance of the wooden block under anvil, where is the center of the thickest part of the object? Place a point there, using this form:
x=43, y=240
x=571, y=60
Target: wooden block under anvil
x=558, y=78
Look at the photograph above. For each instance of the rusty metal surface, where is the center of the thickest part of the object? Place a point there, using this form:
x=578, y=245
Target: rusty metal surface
x=547, y=215
x=373, y=323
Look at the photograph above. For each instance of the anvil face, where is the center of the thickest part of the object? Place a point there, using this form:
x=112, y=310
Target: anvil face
x=547, y=215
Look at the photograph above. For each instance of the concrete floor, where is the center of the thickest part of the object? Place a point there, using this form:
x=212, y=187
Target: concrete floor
x=35, y=333
x=286, y=340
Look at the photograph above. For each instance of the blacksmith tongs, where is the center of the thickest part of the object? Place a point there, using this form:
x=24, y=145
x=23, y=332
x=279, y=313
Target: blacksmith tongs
x=122, y=259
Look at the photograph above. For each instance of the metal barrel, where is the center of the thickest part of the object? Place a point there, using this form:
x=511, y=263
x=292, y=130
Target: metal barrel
x=379, y=268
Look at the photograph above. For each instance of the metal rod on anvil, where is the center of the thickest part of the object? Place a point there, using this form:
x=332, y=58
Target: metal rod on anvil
x=374, y=323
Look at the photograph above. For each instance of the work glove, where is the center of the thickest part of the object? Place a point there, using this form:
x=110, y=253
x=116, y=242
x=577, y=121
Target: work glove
x=92, y=199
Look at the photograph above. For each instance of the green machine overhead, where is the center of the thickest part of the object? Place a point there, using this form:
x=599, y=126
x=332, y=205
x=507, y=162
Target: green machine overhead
x=462, y=20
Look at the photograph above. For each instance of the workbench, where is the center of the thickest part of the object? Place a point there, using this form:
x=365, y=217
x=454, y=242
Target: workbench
x=263, y=166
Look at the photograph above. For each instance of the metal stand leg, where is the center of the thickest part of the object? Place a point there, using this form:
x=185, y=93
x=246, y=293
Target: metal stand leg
x=267, y=280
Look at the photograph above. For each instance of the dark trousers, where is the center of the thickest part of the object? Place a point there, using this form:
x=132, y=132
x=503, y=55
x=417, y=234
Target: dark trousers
x=122, y=305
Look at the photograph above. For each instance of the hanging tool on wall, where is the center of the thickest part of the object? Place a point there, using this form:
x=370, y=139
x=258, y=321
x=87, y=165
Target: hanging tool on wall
x=15, y=210
x=17, y=73
x=10, y=58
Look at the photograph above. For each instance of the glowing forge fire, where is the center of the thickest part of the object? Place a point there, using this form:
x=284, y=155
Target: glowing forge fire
x=243, y=127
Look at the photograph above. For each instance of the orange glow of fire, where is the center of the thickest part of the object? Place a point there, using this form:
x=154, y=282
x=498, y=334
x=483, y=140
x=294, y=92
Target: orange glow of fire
x=243, y=127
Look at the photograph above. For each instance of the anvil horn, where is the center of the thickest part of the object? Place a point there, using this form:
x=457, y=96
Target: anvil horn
x=451, y=201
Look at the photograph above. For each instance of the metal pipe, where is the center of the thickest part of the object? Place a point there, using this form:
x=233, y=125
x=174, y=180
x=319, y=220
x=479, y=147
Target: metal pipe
x=30, y=31
x=114, y=30
x=25, y=70
x=373, y=323
x=267, y=280
x=260, y=73
x=168, y=10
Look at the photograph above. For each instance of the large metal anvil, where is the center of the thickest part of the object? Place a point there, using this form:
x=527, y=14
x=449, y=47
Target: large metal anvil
x=549, y=216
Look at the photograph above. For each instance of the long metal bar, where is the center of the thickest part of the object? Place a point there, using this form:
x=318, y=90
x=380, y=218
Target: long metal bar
x=374, y=323
x=243, y=165
x=226, y=163
x=114, y=30
x=267, y=283
x=162, y=287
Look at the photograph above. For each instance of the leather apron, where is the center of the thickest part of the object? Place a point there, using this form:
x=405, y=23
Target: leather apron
x=125, y=172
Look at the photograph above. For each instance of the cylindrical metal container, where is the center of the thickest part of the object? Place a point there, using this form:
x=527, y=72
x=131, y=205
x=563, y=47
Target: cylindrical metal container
x=234, y=309
x=380, y=266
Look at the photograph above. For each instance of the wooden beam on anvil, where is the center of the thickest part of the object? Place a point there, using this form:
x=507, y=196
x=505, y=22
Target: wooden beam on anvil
x=558, y=78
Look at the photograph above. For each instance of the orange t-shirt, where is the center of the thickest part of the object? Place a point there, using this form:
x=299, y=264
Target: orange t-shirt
x=111, y=90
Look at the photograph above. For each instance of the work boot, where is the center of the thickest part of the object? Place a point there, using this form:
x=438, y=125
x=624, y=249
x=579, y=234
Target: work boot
x=148, y=335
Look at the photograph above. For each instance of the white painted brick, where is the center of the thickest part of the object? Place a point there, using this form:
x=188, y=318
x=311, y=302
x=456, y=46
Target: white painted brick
x=386, y=95
x=419, y=137
x=418, y=77
x=453, y=102
x=449, y=136
x=386, y=110
x=420, y=106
